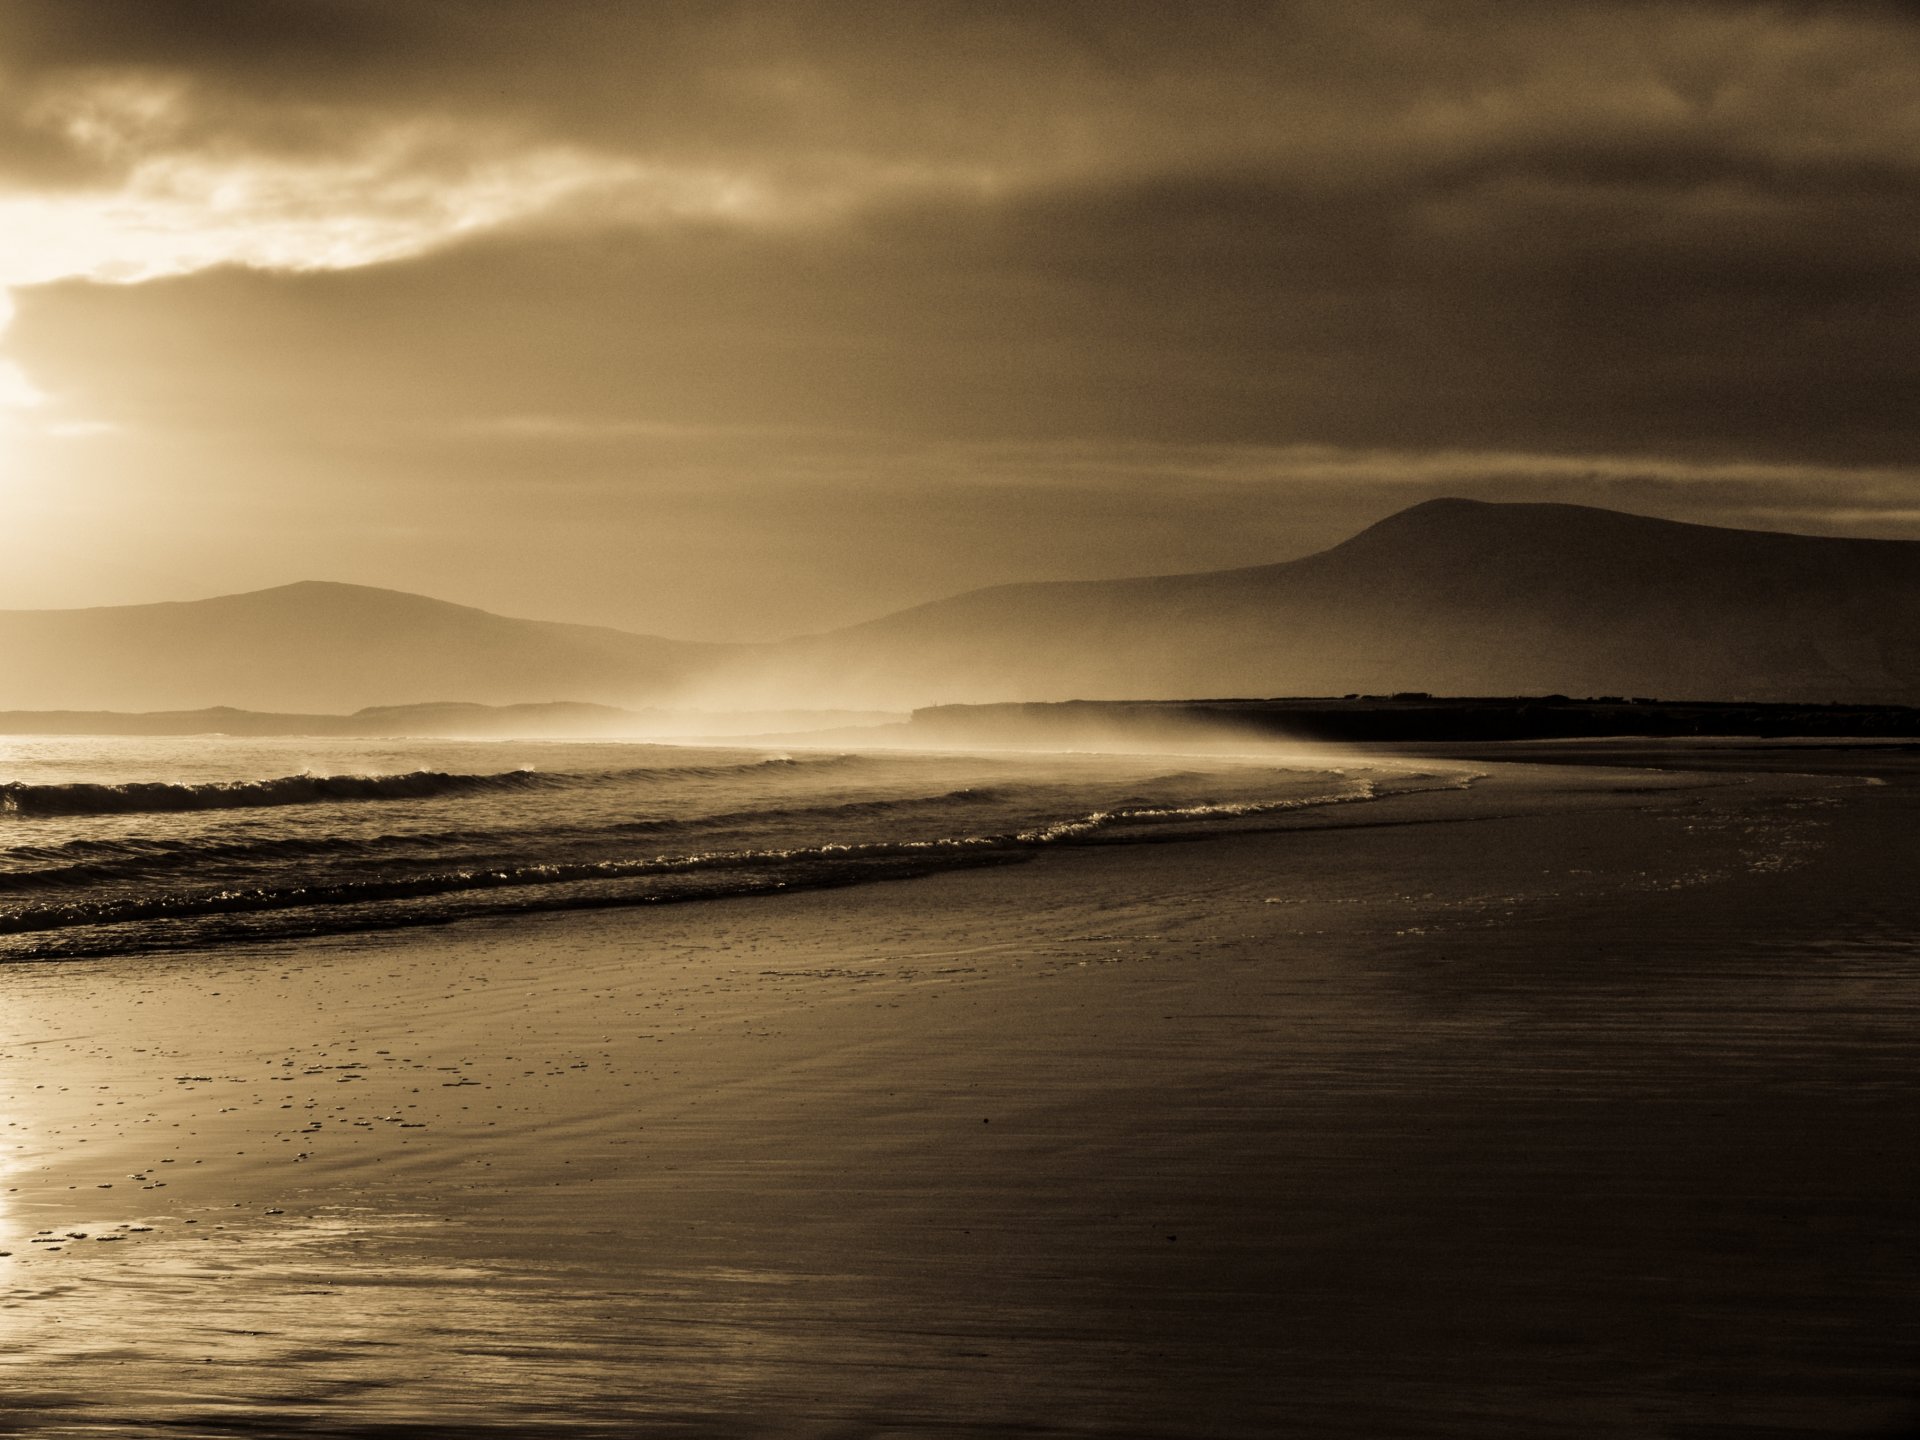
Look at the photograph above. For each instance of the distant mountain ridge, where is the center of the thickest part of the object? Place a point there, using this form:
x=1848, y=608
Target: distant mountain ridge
x=1451, y=597
x=320, y=646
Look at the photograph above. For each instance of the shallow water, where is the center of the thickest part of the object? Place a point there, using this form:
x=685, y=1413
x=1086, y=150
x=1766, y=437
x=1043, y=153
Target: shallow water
x=1551, y=1108
x=111, y=846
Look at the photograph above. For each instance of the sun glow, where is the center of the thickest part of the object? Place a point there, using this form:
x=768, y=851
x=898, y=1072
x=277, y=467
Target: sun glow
x=16, y=391
x=164, y=206
x=176, y=214
x=19, y=399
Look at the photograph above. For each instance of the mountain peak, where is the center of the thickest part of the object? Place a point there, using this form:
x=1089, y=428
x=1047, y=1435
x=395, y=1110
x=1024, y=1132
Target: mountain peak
x=1514, y=517
x=1451, y=596
x=1455, y=510
x=322, y=591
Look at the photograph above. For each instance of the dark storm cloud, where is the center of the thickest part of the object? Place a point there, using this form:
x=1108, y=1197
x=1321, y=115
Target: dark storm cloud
x=1225, y=309
x=983, y=268
x=1339, y=87
x=1683, y=226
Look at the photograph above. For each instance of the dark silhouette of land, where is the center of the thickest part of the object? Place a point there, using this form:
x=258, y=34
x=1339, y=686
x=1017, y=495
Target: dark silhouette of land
x=1407, y=718
x=1454, y=597
x=1451, y=597
x=321, y=647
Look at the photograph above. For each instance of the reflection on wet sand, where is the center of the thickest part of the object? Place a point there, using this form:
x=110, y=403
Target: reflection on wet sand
x=1572, y=1105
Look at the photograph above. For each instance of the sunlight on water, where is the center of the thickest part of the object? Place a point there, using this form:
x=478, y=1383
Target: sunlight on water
x=111, y=846
x=356, y=1319
x=215, y=1325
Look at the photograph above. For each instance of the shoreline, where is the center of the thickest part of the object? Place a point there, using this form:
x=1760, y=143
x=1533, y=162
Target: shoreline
x=1138, y=1139
x=826, y=832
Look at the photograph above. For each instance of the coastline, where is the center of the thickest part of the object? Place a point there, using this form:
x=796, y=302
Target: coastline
x=1514, y=1110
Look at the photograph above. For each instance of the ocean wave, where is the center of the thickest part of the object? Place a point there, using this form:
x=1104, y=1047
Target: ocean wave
x=840, y=809
x=1098, y=820
x=159, y=796
x=89, y=861
x=190, y=904
x=100, y=903
x=83, y=935
x=239, y=900
x=92, y=862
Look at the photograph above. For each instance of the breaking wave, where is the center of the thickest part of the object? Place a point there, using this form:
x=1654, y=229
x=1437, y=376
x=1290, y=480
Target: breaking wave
x=157, y=796
x=161, y=797
x=770, y=867
x=147, y=865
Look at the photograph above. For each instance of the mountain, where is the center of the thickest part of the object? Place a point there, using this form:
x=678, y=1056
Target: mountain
x=318, y=646
x=1452, y=597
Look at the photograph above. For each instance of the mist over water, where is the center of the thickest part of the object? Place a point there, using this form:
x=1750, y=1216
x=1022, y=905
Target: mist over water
x=111, y=846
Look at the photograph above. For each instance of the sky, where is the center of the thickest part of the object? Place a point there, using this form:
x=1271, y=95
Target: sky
x=735, y=321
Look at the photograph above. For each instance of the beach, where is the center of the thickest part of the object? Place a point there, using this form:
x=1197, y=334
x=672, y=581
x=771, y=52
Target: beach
x=1574, y=1102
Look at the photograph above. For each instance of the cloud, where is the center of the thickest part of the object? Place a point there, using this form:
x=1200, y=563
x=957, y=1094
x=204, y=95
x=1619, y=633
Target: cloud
x=1123, y=271
x=16, y=391
x=1466, y=312
x=174, y=215
x=1333, y=87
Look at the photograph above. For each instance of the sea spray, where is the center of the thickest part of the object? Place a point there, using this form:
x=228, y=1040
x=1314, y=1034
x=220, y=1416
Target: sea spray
x=98, y=858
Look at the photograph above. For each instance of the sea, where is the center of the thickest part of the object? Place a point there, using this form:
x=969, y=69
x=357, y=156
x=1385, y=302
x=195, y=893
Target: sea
x=1569, y=1105
x=115, y=846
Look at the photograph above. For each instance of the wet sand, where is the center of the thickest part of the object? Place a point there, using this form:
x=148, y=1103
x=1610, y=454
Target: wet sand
x=1577, y=1104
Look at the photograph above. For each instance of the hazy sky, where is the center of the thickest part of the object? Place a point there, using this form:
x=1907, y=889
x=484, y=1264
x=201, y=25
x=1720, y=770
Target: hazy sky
x=737, y=320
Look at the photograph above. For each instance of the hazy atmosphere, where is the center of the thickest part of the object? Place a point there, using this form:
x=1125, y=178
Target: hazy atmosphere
x=738, y=321
x=954, y=720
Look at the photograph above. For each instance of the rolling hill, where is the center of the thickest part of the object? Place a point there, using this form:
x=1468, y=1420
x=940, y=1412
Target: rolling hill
x=1451, y=597
x=319, y=646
